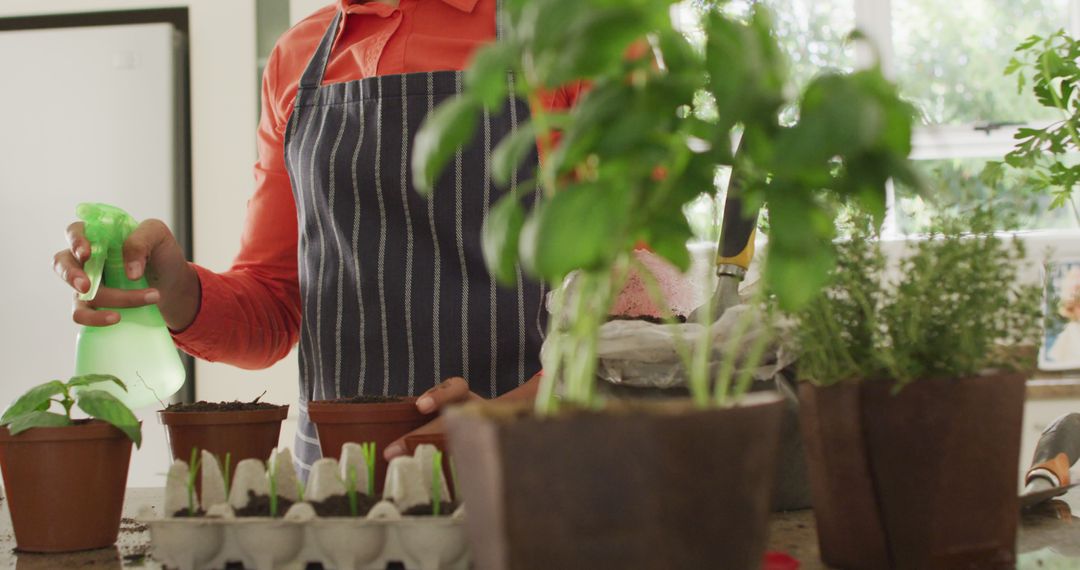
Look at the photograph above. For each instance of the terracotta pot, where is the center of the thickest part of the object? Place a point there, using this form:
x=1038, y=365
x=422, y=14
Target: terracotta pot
x=339, y=423
x=65, y=485
x=439, y=441
x=924, y=479
x=646, y=484
x=248, y=434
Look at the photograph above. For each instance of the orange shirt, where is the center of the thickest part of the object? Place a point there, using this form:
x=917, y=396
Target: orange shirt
x=249, y=316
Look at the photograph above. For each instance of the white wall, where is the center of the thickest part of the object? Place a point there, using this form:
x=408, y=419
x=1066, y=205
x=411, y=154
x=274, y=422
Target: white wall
x=224, y=113
x=300, y=9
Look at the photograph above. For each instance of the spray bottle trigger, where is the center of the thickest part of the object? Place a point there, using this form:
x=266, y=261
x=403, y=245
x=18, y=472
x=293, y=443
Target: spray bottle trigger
x=94, y=267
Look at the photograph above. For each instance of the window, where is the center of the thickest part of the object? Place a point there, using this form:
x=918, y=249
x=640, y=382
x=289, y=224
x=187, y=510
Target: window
x=948, y=59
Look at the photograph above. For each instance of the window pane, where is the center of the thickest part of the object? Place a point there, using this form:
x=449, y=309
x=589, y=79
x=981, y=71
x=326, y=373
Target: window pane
x=954, y=186
x=951, y=56
x=812, y=33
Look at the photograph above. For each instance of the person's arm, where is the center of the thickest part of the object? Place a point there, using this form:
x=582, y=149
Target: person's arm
x=249, y=316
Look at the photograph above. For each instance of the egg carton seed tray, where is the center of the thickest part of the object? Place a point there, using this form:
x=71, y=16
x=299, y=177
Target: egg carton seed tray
x=301, y=537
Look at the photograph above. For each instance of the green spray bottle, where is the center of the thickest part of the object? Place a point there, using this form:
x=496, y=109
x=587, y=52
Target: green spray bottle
x=139, y=349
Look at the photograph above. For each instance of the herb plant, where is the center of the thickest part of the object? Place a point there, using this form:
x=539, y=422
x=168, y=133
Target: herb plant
x=368, y=450
x=351, y=482
x=31, y=410
x=636, y=149
x=955, y=308
x=436, y=484
x=1050, y=65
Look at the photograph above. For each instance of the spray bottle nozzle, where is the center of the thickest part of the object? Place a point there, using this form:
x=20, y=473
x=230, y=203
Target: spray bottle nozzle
x=106, y=228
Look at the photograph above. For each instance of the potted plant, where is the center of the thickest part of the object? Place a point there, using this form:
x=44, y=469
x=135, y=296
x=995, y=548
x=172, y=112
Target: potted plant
x=65, y=477
x=912, y=403
x=380, y=420
x=237, y=430
x=651, y=484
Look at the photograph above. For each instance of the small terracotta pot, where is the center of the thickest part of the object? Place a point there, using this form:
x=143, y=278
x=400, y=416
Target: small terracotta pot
x=339, y=423
x=646, y=484
x=65, y=485
x=924, y=479
x=248, y=434
x=439, y=441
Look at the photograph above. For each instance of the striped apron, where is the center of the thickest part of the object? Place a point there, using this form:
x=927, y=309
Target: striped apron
x=395, y=294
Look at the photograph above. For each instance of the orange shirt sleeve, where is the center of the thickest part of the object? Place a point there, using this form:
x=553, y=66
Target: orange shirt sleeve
x=249, y=316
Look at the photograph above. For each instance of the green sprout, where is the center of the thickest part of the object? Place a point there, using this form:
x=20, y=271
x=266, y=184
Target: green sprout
x=273, y=490
x=31, y=410
x=368, y=450
x=193, y=470
x=436, y=483
x=350, y=490
x=300, y=489
x=228, y=479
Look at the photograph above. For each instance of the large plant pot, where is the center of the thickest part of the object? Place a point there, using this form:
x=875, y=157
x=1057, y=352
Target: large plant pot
x=339, y=423
x=245, y=434
x=648, y=484
x=65, y=485
x=921, y=480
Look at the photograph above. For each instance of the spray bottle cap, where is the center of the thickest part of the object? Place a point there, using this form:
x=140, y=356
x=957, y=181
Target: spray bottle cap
x=106, y=228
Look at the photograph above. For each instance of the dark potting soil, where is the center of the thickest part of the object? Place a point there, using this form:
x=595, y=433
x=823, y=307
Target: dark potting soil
x=445, y=509
x=338, y=506
x=259, y=506
x=646, y=318
x=367, y=399
x=222, y=407
x=184, y=513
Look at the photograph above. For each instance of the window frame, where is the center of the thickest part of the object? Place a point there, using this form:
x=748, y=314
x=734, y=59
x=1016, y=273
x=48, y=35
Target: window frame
x=958, y=140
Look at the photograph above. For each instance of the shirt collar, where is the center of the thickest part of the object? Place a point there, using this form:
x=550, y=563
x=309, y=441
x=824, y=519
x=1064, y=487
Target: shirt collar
x=463, y=5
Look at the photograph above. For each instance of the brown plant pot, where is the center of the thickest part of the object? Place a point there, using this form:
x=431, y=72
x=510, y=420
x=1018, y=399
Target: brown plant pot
x=245, y=434
x=339, y=423
x=925, y=479
x=439, y=441
x=65, y=485
x=646, y=484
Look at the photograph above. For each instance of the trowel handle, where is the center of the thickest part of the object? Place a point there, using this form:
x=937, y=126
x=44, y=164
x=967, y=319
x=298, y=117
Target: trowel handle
x=736, y=234
x=1057, y=450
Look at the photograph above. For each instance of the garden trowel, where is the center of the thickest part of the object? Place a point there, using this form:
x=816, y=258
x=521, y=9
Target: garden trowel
x=1057, y=451
x=734, y=253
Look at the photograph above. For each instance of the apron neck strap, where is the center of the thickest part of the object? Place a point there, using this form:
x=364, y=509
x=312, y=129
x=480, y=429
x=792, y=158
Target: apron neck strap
x=316, y=69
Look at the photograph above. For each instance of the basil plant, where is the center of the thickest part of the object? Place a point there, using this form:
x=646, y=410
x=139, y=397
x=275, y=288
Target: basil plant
x=640, y=145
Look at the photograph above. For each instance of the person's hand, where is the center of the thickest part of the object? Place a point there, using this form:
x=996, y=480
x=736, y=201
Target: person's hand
x=150, y=251
x=449, y=392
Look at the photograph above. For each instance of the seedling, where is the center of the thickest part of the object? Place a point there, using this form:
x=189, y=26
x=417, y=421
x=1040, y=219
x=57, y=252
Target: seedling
x=436, y=484
x=193, y=471
x=368, y=449
x=31, y=410
x=273, y=489
x=350, y=490
x=226, y=474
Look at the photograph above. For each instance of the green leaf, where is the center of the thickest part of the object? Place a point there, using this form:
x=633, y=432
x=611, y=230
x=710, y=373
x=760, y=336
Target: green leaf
x=37, y=419
x=511, y=151
x=576, y=229
x=488, y=75
x=106, y=407
x=32, y=400
x=499, y=238
x=89, y=379
x=443, y=132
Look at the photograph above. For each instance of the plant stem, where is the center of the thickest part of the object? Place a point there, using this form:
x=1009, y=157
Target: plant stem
x=436, y=483
x=350, y=490
x=228, y=480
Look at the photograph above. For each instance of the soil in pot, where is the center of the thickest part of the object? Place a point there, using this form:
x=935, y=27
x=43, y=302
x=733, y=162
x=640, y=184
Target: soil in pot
x=259, y=506
x=338, y=506
x=381, y=421
x=243, y=430
x=924, y=479
x=65, y=485
x=656, y=484
x=445, y=509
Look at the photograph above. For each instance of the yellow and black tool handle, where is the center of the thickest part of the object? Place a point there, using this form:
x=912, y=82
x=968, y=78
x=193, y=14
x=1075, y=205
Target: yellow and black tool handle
x=736, y=234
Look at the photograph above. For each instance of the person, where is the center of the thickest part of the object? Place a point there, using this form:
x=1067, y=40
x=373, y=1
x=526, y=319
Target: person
x=385, y=290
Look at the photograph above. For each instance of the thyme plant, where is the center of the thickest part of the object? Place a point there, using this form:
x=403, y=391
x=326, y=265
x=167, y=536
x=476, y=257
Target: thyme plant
x=636, y=149
x=954, y=307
